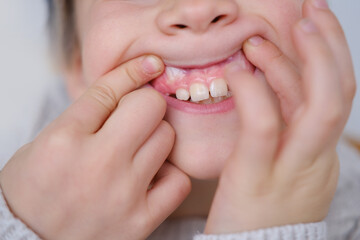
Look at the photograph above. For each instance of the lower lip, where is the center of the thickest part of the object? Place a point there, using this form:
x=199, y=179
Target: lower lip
x=196, y=108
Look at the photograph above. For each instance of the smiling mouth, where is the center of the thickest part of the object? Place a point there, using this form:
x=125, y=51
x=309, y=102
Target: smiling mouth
x=201, y=85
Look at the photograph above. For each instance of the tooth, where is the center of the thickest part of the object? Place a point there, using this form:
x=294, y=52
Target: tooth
x=218, y=99
x=182, y=94
x=218, y=88
x=174, y=73
x=199, y=92
x=207, y=101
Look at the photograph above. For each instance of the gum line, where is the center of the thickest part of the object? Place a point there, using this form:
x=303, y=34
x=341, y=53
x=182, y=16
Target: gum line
x=175, y=78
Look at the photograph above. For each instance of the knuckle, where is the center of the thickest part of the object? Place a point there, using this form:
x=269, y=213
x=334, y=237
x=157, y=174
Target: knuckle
x=277, y=59
x=333, y=116
x=105, y=96
x=145, y=222
x=168, y=129
x=135, y=74
x=57, y=140
x=153, y=97
x=274, y=52
x=277, y=56
x=324, y=55
x=265, y=128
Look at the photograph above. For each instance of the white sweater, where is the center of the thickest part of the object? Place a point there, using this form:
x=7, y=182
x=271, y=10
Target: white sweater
x=343, y=221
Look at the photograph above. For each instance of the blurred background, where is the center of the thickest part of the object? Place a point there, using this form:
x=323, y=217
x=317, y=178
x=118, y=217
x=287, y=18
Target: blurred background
x=26, y=71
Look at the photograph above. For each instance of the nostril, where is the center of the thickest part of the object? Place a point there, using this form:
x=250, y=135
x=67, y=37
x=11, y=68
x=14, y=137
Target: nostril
x=218, y=18
x=180, y=26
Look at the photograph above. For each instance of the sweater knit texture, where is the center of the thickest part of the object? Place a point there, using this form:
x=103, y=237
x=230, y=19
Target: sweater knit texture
x=13, y=228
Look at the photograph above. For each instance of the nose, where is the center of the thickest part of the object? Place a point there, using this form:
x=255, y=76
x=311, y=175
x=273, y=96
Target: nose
x=197, y=16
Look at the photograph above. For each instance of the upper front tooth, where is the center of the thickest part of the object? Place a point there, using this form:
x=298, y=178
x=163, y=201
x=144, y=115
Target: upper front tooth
x=182, y=94
x=174, y=73
x=218, y=88
x=199, y=92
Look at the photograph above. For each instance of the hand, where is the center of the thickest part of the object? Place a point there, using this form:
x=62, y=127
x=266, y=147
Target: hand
x=87, y=175
x=279, y=176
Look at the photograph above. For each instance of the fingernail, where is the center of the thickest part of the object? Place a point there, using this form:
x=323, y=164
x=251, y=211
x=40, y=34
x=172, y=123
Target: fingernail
x=152, y=65
x=308, y=26
x=321, y=4
x=256, y=41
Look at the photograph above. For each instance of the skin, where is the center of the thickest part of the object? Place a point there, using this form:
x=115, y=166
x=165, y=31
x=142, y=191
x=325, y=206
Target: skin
x=117, y=31
x=89, y=171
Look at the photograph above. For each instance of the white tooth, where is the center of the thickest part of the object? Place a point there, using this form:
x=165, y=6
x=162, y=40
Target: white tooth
x=218, y=88
x=182, y=94
x=199, y=92
x=174, y=73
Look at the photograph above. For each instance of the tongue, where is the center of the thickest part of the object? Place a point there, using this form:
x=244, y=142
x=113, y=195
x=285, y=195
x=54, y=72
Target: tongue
x=175, y=78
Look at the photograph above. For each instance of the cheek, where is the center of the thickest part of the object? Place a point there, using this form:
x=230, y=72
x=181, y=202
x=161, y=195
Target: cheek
x=280, y=15
x=101, y=49
x=287, y=15
x=109, y=32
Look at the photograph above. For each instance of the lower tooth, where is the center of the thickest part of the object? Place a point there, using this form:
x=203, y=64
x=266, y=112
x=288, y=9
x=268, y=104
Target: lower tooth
x=218, y=99
x=212, y=100
x=207, y=101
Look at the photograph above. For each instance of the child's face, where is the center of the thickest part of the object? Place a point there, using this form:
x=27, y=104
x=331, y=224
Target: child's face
x=184, y=33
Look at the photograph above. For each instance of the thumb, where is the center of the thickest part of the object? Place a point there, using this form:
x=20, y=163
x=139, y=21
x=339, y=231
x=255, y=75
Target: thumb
x=93, y=108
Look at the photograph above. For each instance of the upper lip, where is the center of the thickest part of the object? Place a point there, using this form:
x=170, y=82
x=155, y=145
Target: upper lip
x=207, y=62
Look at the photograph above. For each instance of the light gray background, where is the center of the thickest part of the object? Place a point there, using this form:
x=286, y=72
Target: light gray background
x=25, y=68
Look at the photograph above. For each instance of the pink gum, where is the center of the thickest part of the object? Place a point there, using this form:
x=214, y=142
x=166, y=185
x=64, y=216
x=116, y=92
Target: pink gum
x=187, y=77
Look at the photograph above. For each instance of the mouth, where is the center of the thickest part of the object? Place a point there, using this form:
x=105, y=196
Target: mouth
x=200, y=89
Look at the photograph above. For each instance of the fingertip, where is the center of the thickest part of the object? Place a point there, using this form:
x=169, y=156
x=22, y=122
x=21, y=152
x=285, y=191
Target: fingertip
x=255, y=41
x=317, y=4
x=170, y=130
x=253, y=46
x=184, y=183
x=320, y=4
x=307, y=26
x=176, y=176
x=152, y=65
x=171, y=187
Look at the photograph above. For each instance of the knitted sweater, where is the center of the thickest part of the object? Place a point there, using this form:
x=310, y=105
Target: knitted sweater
x=343, y=221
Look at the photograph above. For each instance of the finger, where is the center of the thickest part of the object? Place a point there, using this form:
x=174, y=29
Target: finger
x=138, y=115
x=171, y=186
x=92, y=109
x=258, y=74
x=333, y=34
x=281, y=74
x=154, y=152
x=320, y=121
x=259, y=126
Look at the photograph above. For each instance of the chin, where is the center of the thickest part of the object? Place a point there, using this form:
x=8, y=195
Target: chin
x=203, y=141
